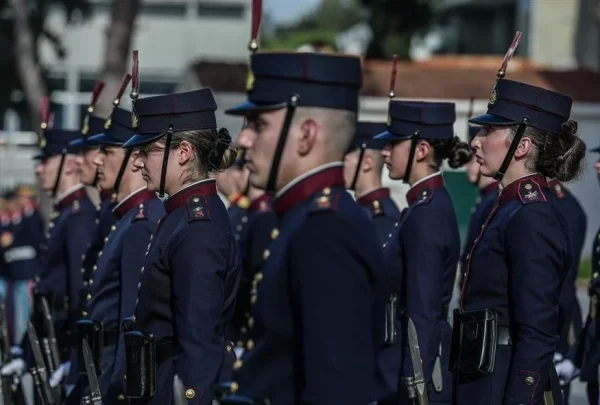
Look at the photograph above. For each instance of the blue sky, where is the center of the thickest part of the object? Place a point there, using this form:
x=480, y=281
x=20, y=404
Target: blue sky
x=288, y=10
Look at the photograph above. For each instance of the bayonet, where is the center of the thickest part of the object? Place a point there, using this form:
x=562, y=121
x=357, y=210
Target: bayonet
x=54, y=355
x=415, y=385
x=38, y=372
x=90, y=368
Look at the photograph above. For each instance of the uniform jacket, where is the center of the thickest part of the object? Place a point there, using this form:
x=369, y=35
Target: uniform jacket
x=517, y=267
x=23, y=237
x=316, y=309
x=187, y=292
x=381, y=208
x=256, y=236
x=421, y=258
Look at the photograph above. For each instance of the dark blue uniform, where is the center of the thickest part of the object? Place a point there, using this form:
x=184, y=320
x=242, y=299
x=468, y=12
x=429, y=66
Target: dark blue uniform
x=570, y=313
x=238, y=215
x=517, y=267
x=257, y=234
x=113, y=287
x=21, y=255
x=187, y=293
x=70, y=230
x=479, y=213
x=382, y=209
x=315, y=320
x=422, y=263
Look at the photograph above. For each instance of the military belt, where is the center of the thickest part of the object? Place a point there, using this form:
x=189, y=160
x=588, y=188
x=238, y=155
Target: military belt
x=504, y=336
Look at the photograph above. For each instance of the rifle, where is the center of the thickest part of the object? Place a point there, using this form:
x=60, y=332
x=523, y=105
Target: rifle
x=38, y=372
x=95, y=398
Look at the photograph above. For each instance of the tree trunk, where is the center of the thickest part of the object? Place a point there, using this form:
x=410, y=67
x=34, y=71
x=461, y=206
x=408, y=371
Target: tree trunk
x=117, y=51
x=27, y=65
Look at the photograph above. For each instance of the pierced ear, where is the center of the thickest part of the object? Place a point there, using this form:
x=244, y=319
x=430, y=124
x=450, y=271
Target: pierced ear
x=308, y=136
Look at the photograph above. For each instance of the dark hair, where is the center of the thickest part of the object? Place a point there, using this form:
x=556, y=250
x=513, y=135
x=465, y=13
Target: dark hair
x=213, y=149
x=559, y=156
x=457, y=152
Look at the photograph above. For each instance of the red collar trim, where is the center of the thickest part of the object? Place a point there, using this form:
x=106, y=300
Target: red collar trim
x=261, y=204
x=180, y=198
x=511, y=191
x=130, y=203
x=431, y=183
x=557, y=188
x=374, y=195
x=329, y=177
x=68, y=200
x=490, y=188
x=106, y=195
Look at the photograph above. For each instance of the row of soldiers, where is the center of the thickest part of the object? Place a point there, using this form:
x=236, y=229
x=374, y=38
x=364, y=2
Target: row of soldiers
x=304, y=299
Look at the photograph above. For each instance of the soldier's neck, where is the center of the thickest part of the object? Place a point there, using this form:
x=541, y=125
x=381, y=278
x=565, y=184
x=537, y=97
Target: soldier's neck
x=67, y=183
x=129, y=185
x=367, y=183
x=515, y=171
x=485, y=181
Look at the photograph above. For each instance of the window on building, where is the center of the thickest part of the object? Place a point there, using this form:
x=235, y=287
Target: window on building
x=164, y=10
x=215, y=10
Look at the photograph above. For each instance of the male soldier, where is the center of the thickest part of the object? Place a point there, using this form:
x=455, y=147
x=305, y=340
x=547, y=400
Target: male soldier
x=363, y=166
x=232, y=184
x=316, y=303
x=113, y=284
x=256, y=234
x=22, y=262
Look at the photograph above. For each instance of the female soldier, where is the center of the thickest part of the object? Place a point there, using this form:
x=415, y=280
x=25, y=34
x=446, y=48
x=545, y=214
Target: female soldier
x=191, y=273
x=422, y=253
x=507, y=330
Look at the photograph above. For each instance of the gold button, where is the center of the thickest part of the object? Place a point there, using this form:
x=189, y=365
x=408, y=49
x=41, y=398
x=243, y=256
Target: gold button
x=228, y=348
x=95, y=268
x=239, y=227
x=237, y=365
x=82, y=270
x=274, y=233
x=234, y=387
x=258, y=276
x=83, y=313
x=89, y=297
x=190, y=393
x=106, y=239
x=139, y=285
x=112, y=228
x=244, y=219
x=326, y=191
x=99, y=253
x=266, y=254
x=253, y=300
x=121, y=397
x=85, y=283
x=529, y=380
x=595, y=275
x=250, y=344
x=250, y=323
x=125, y=376
x=91, y=281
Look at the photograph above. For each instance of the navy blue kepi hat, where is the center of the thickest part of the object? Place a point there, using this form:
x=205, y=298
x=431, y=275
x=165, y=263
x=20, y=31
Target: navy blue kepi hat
x=117, y=129
x=433, y=121
x=365, y=131
x=320, y=80
x=93, y=126
x=57, y=142
x=154, y=116
x=511, y=101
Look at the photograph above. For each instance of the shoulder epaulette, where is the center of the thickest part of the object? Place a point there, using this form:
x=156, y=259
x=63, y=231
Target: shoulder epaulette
x=530, y=191
x=324, y=201
x=197, y=208
x=376, y=208
x=143, y=212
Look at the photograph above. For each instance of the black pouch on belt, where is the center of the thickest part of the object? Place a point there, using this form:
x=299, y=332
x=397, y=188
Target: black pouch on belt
x=140, y=365
x=474, y=341
x=93, y=332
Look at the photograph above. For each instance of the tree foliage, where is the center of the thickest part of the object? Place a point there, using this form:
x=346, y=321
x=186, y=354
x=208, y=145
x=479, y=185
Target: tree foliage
x=393, y=22
x=38, y=12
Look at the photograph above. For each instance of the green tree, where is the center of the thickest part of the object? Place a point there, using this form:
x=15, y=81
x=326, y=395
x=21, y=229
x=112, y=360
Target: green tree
x=22, y=26
x=320, y=25
x=393, y=22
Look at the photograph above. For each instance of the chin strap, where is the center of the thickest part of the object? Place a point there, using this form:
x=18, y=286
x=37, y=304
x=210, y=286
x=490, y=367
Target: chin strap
x=163, y=172
x=363, y=148
x=289, y=115
x=117, y=185
x=414, y=139
x=511, y=150
x=60, y=168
